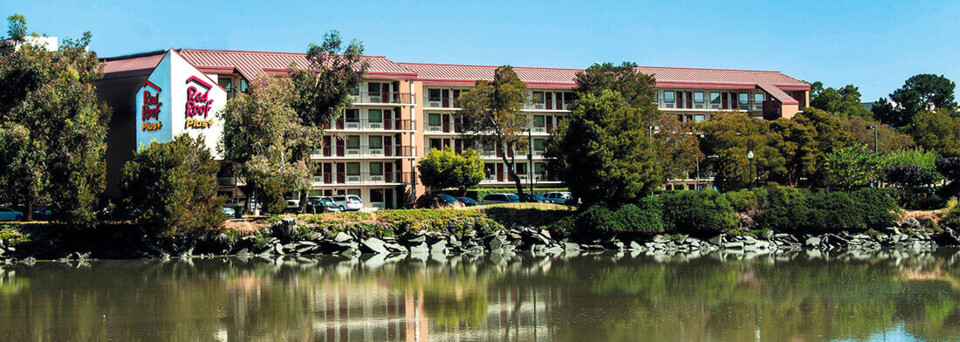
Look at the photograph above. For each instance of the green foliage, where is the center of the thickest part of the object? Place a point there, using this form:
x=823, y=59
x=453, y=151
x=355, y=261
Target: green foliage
x=495, y=107
x=600, y=221
x=731, y=136
x=697, y=211
x=636, y=88
x=919, y=93
x=937, y=130
x=952, y=219
x=603, y=152
x=806, y=211
x=923, y=160
x=853, y=166
x=677, y=147
x=441, y=169
x=171, y=189
x=884, y=140
x=52, y=128
x=266, y=141
x=844, y=102
x=11, y=236
x=16, y=27
x=322, y=88
x=746, y=201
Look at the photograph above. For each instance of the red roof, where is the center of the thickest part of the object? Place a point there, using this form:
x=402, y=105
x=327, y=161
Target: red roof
x=251, y=64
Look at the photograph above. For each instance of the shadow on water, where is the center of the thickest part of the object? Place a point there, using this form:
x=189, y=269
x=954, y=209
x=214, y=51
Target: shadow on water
x=602, y=297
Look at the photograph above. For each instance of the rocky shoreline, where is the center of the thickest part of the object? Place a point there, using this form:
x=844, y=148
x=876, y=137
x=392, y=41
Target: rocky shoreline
x=283, y=241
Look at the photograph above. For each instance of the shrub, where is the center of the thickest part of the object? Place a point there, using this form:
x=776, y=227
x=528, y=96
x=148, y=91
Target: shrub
x=807, y=211
x=746, y=201
x=171, y=188
x=697, y=211
x=600, y=221
x=952, y=220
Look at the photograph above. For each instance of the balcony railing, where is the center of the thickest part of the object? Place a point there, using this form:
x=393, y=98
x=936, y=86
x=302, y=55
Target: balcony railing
x=535, y=105
x=369, y=125
x=524, y=177
x=394, y=177
x=382, y=97
x=364, y=151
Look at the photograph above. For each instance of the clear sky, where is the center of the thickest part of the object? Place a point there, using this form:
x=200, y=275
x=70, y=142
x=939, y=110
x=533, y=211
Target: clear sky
x=874, y=45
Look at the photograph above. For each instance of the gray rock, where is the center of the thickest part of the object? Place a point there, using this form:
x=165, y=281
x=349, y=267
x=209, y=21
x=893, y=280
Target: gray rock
x=278, y=248
x=660, y=238
x=306, y=243
x=812, y=241
x=422, y=248
x=497, y=242
x=440, y=247
x=417, y=239
x=351, y=252
x=546, y=234
x=733, y=245
x=717, y=240
x=374, y=245
x=342, y=237
x=635, y=246
x=571, y=246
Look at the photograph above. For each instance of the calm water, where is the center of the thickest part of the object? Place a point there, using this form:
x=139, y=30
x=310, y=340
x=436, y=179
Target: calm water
x=606, y=297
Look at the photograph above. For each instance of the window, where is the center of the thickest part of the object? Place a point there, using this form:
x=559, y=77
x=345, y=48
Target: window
x=376, y=169
x=540, y=168
x=490, y=169
x=354, y=192
x=353, y=141
x=375, y=115
x=226, y=83
x=698, y=97
x=758, y=98
x=376, y=195
x=744, y=98
x=668, y=97
x=698, y=118
x=376, y=142
x=539, y=121
x=436, y=144
x=538, y=145
x=353, y=169
x=715, y=98
x=354, y=91
x=374, y=89
x=537, y=97
x=655, y=96
x=433, y=95
x=521, y=169
x=243, y=85
x=433, y=119
x=352, y=115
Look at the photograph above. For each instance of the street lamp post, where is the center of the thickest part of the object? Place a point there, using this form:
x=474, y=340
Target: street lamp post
x=876, y=138
x=752, y=177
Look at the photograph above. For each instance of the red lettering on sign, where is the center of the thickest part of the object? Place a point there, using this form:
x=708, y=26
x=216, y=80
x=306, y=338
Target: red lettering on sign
x=197, y=102
x=151, y=106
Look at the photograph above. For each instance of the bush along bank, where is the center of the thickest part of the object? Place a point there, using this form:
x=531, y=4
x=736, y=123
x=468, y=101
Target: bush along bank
x=692, y=223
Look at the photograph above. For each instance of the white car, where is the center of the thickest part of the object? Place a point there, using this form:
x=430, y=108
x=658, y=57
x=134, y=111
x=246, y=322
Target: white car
x=348, y=202
x=7, y=214
x=559, y=197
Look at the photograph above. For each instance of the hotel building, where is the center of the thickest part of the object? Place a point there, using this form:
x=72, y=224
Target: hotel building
x=399, y=113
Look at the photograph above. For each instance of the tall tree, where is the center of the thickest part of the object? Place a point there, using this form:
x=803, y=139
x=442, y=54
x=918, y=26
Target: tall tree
x=635, y=87
x=52, y=127
x=677, y=147
x=921, y=92
x=731, y=136
x=323, y=86
x=853, y=166
x=266, y=141
x=441, y=169
x=884, y=140
x=491, y=113
x=937, y=130
x=843, y=102
x=829, y=135
x=603, y=152
x=797, y=144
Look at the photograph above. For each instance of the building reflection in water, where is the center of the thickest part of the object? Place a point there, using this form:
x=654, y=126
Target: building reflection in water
x=609, y=297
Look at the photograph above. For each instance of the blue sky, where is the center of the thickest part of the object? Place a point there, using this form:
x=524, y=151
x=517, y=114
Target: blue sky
x=874, y=45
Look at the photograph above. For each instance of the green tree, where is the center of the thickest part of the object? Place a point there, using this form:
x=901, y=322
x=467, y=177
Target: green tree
x=919, y=93
x=266, y=141
x=730, y=136
x=441, y=169
x=937, y=130
x=491, y=113
x=886, y=139
x=829, y=135
x=853, y=166
x=844, y=102
x=171, y=189
x=677, y=147
x=52, y=127
x=603, y=152
x=323, y=87
x=798, y=146
x=635, y=87
x=921, y=163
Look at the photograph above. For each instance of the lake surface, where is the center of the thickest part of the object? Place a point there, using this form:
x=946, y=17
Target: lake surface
x=601, y=297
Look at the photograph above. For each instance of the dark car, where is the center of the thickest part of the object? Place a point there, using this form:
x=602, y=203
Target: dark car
x=321, y=205
x=42, y=212
x=532, y=198
x=436, y=201
x=467, y=201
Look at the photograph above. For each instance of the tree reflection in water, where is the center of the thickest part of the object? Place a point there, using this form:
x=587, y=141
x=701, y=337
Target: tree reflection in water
x=603, y=297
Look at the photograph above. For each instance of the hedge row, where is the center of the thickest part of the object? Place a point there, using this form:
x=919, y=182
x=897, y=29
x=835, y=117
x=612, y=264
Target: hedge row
x=704, y=212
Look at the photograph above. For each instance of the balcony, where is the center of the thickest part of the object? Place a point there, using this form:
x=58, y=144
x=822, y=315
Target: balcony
x=451, y=127
x=366, y=97
x=372, y=125
x=538, y=105
x=363, y=151
x=363, y=178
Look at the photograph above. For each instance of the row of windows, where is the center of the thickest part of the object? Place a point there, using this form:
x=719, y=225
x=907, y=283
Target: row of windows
x=715, y=97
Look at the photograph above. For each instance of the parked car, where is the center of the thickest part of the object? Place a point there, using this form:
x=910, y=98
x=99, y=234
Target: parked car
x=293, y=203
x=7, y=214
x=348, y=202
x=500, y=198
x=467, y=201
x=229, y=212
x=559, y=197
x=532, y=198
x=42, y=212
x=317, y=205
x=436, y=201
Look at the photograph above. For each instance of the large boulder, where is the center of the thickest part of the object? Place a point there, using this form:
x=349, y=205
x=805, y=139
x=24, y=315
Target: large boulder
x=374, y=245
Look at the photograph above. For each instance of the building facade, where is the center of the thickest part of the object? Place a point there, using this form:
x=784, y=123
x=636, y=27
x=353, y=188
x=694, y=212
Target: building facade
x=402, y=110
